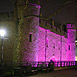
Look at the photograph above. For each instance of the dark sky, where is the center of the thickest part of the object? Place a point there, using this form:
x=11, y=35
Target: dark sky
x=48, y=7
x=67, y=15
x=6, y=5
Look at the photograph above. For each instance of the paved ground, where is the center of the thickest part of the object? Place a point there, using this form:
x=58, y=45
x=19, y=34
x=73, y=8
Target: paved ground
x=61, y=73
x=57, y=73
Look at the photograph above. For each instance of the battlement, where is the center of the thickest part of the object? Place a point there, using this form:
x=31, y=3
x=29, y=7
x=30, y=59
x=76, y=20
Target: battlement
x=52, y=28
x=58, y=31
x=70, y=26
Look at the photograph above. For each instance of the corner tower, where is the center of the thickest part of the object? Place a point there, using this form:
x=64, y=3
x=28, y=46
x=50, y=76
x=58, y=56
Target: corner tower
x=29, y=26
x=71, y=42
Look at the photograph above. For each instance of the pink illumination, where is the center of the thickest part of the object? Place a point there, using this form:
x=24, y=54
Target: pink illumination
x=53, y=47
x=56, y=48
x=62, y=63
x=59, y=64
x=70, y=64
x=43, y=45
x=65, y=64
x=71, y=42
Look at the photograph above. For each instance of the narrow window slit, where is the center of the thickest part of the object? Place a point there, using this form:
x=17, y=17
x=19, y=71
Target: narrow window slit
x=30, y=37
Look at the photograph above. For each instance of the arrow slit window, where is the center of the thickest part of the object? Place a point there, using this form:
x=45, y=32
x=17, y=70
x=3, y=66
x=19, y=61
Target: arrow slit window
x=30, y=37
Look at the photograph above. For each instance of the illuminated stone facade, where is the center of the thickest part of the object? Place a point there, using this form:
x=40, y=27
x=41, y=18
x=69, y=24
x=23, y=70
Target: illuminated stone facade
x=71, y=42
x=55, y=46
x=34, y=40
x=40, y=41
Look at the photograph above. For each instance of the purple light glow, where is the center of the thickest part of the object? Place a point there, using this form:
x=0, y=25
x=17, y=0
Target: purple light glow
x=60, y=54
x=55, y=44
x=39, y=44
x=48, y=45
x=71, y=42
x=59, y=64
x=52, y=39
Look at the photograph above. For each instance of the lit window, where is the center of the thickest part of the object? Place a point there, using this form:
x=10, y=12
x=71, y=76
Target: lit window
x=30, y=37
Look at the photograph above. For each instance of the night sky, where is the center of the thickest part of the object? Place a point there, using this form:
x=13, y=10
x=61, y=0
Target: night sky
x=48, y=7
x=67, y=15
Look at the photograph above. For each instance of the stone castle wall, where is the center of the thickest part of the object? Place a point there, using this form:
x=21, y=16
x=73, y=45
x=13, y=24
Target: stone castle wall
x=29, y=33
x=31, y=40
x=51, y=45
x=71, y=41
x=47, y=41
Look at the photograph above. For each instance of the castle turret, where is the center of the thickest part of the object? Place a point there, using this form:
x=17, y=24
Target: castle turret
x=71, y=42
x=29, y=25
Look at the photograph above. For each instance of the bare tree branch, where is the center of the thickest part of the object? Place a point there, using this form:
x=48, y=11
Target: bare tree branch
x=60, y=9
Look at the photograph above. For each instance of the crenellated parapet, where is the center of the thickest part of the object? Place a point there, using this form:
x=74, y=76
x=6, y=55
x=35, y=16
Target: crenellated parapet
x=70, y=26
x=52, y=28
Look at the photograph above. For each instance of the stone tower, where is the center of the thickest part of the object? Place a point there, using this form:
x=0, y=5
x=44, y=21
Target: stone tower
x=28, y=10
x=71, y=42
